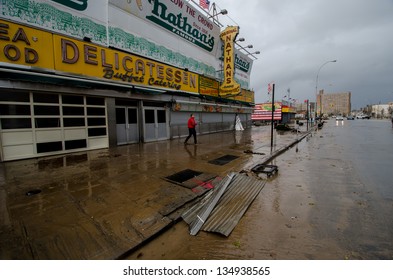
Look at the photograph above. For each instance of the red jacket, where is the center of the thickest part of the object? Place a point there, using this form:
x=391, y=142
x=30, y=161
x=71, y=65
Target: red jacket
x=191, y=122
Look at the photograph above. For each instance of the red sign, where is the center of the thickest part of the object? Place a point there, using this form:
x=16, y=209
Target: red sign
x=263, y=111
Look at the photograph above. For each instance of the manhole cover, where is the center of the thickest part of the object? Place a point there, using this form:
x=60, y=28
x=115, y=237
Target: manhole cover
x=183, y=175
x=223, y=160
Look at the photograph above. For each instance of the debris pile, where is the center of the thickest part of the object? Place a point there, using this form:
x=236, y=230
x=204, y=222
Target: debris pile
x=221, y=209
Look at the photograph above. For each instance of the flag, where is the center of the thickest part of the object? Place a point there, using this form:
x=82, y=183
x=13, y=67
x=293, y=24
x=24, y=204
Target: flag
x=204, y=4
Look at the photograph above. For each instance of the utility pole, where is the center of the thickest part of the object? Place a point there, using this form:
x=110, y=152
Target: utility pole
x=272, y=126
x=308, y=117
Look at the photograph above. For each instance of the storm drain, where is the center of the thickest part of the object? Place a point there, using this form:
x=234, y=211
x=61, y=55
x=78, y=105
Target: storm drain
x=184, y=175
x=223, y=160
x=33, y=192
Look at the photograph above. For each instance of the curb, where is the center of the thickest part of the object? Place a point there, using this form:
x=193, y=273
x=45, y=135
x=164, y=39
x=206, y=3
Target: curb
x=284, y=149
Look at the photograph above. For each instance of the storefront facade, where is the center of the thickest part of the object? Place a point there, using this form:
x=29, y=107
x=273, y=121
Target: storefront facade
x=88, y=77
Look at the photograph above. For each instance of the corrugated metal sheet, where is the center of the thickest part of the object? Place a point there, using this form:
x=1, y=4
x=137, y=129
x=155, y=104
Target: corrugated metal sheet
x=238, y=196
x=204, y=214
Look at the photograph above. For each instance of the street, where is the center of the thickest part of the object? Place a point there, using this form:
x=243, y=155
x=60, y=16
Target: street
x=331, y=199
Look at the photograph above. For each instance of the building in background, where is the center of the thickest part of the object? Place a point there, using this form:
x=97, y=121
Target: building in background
x=381, y=111
x=333, y=103
x=83, y=75
x=302, y=111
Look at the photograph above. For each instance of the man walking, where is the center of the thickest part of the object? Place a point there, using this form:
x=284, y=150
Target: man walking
x=191, y=129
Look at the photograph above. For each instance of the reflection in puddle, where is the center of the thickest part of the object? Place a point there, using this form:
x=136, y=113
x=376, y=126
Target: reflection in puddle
x=68, y=160
x=339, y=123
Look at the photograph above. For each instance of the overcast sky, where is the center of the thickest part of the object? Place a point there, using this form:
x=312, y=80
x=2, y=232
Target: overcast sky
x=296, y=37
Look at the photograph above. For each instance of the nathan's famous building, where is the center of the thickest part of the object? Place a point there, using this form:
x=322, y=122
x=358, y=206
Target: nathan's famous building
x=83, y=75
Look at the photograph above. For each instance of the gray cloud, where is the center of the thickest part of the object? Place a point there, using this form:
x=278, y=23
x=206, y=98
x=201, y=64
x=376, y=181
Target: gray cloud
x=296, y=37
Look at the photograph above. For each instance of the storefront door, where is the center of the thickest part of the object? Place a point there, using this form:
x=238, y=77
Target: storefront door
x=155, y=124
x=127, y=125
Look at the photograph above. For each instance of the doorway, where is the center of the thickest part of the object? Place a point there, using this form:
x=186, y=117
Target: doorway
x=155, y=124
x=127, y=125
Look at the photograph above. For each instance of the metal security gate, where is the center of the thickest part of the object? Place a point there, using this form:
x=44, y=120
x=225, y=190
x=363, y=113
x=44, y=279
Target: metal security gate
x=127, y=126
x=47, y=123
x=155, y=124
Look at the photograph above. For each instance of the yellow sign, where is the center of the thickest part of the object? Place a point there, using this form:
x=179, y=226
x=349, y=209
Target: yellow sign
x=208, y=86
x=39, y=49
x=25, y=46
x=229, y=86
x=245, y=96
x=91, y=60
x=286, y=109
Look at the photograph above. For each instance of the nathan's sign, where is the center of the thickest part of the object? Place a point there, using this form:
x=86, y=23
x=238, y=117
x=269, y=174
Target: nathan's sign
x=229, y=85
x=39, y=49
x=178, y=17
x=242, y=64
x=79, y=5
x=180, y=25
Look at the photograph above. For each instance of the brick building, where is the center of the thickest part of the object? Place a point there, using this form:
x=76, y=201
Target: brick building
x=334, y=103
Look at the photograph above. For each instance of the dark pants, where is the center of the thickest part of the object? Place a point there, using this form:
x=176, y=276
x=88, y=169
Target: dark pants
x=191, y=132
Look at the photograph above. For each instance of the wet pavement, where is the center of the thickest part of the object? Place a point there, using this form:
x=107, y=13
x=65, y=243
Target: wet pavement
x=331, y=199
x=104, y=204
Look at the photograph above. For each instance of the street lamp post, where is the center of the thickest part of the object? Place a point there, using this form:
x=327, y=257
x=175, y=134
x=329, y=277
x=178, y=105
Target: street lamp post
x=316, y=87
x=244, y=48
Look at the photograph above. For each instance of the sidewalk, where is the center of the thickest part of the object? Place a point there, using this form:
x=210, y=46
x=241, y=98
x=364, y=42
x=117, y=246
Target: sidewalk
x=102, y=204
